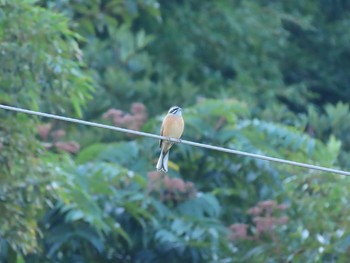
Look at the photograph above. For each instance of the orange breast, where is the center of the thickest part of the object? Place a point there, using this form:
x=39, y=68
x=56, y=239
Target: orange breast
x=173, y=126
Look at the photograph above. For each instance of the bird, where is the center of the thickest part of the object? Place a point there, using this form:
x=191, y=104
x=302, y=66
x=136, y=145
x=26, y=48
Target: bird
x=172, y=126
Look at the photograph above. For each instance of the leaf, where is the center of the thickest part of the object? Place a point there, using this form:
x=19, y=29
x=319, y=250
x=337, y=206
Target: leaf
x=333, y=146
x=343, y=245
x=180, y=227
x=162, y=210
x=212, y=205
x=166, y=236
x=20, y=259
x=197, y=233
x=122, y=153
x=74, y=215
x=123, y=234
x=91, y=237
x=205, y=205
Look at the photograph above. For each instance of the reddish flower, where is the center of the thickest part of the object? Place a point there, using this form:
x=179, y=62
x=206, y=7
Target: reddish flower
x=154, y=181
x=112, y=113
x=127, y=119
x=255, y=211
x=70, y=147
x=155, y=175
x=264, y=224
x=267, y=204
x=282, y=207
x=137, y=107
x=282, y=220
x=140, y=117
x=168, y=183
x=44, y=130
x=134, y=126
x=179, y=185
x=239, y=231
x=58, y=134
x=133, y=121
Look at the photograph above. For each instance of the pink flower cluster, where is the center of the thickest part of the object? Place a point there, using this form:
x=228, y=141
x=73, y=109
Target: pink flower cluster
x=265, y=220
x=52, y=139
x=169, y=189
x=133, y=120
x=239, y=231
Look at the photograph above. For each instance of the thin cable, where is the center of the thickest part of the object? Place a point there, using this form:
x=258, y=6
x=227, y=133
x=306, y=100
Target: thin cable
x=216, y=148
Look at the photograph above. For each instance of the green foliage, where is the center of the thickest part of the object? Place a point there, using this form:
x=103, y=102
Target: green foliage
x=227, y=53
x=317, y=230
x=43, y=68
x=326, y=199
x=121, y=67
x=333, y=120
x=316, y=35
x=22, y=183
x=112, y=211
x=153, y=221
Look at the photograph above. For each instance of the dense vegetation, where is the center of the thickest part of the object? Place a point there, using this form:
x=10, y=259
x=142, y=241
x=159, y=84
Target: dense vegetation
x=267, y=77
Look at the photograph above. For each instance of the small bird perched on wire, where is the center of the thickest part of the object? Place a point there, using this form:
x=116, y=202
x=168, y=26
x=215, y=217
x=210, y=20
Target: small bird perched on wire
x=172, y=126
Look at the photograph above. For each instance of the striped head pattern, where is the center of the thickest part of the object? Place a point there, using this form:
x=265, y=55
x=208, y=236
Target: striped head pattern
x=175, y=110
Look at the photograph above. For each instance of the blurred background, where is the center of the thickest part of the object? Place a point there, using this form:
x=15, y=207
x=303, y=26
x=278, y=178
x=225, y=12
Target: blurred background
x=266, y=77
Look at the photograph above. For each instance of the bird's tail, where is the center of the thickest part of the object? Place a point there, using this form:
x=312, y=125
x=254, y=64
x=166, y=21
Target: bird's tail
x=162, y=164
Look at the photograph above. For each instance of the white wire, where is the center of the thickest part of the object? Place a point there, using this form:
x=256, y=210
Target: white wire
x=216, y=148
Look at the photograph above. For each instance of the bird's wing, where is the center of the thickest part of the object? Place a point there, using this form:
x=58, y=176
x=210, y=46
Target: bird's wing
x=161, y=134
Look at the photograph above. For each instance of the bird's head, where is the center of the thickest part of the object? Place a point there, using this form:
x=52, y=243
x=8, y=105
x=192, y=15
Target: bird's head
x=175, y=110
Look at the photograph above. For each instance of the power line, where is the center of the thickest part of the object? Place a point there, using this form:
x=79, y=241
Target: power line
x=216, y=148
